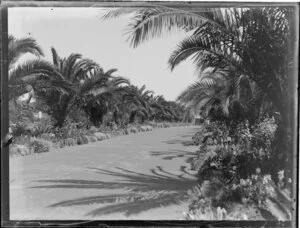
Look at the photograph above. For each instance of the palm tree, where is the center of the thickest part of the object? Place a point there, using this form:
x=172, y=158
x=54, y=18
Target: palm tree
x=72, y=70
x=225, y=37
x=99, y=93
x=257, y=43
x=255, y=30
x=211, y=91
x=21, y=76
x=163, y=110
x=138, y=101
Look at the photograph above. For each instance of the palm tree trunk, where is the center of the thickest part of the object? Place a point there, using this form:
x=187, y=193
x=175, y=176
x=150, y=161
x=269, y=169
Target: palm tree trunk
x=132, y=117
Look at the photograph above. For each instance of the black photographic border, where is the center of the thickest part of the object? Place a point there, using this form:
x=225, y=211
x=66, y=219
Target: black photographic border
x=6, y=222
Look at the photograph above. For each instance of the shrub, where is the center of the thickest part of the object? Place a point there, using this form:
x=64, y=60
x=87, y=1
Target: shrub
x=143, y=128
x=266, y=129
x=16, y=149
x=93, y=138
x=165, y=125
x=67, y=142
x=133, y=130
x=149, y=128
x=227, y=165
x=100, y=136
x=39, y=146
x=199, y=136
x=22, y=140
x=85, y=139
x=254, y=190
x=79, y=141
x=82, y=140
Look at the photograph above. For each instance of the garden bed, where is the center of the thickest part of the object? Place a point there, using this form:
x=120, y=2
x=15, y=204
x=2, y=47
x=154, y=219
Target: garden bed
x=235, y=176
x=25, y=145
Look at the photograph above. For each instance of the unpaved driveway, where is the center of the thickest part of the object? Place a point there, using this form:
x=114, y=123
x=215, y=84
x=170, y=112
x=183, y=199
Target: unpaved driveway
x=140, y=176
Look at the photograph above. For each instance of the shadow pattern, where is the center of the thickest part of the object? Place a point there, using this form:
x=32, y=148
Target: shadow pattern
x=140, y=192
x=172, y=154
x=183, y=142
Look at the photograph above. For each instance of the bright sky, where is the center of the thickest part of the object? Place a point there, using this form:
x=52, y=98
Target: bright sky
x=81, y=30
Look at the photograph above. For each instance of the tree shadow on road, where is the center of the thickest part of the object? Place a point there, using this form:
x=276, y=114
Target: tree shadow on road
x=172, y=154
x=183, y=142
x=183, y=139
x=140, y=192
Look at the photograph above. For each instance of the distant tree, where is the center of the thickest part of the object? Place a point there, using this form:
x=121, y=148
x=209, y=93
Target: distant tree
x=103, y=88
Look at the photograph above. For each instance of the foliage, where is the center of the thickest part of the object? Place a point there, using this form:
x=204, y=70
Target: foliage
x=225, y=39
x=265, y=131
x=32, y=74
x=255, y=190
x=39, y=146
x=19, y=112
x=18, y=47
x=235, y=165
x=79, y=90
x=71, y=70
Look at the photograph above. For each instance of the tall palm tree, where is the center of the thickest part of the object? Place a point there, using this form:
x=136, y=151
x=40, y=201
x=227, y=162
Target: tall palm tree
x=136, y=103
x=73, y=70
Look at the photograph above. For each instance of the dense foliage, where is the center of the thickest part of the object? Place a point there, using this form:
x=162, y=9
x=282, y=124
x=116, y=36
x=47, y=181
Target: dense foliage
x=244, y=61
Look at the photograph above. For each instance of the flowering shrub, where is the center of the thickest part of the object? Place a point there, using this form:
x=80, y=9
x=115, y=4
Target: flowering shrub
x=229, y=157
x=199, y=203
x=254, y=190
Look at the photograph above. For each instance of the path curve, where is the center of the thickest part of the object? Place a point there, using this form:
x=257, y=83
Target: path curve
x=141, y=176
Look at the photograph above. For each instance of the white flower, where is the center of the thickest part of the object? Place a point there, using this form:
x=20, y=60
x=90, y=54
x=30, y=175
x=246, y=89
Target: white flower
x=281, y=175
x=254, y=177
x=242, y=182
x=234, y=186
x=266, y=179
x=270, y=190
x=257, y=170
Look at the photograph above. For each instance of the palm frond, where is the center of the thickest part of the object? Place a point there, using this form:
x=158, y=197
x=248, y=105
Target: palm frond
x=118, y=12
x=55, y=57
x=117, y=81
x=31, y=70
x=68, y=66
x=18, y=47
x=82, y=68
x=111, y=71
x=207, y=51
x=90, y=85
x=40, y=75
x=154, y=22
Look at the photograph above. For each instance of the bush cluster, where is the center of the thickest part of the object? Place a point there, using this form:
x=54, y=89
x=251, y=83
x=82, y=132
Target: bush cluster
x=40, y=136
x=232, y=164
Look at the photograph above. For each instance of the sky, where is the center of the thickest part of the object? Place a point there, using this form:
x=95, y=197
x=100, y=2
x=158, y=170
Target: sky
x=81, y=30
